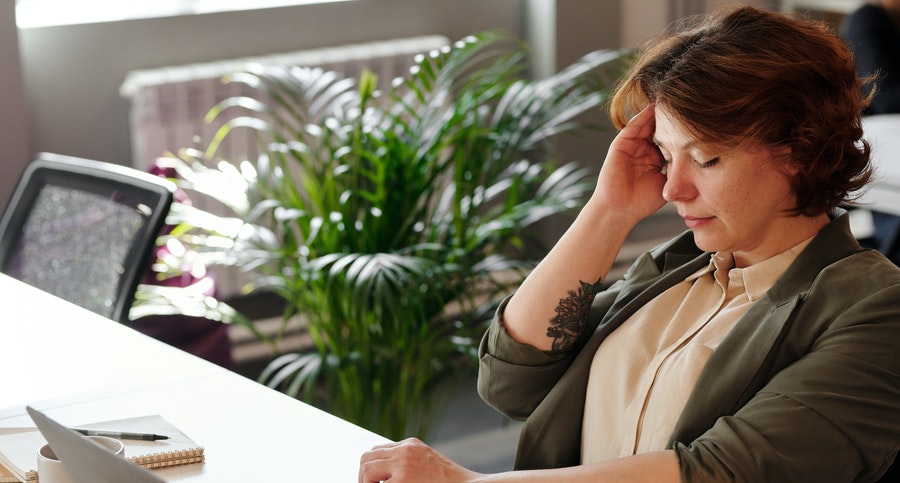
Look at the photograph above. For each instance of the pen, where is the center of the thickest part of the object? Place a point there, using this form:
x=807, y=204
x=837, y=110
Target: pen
x=120, y=434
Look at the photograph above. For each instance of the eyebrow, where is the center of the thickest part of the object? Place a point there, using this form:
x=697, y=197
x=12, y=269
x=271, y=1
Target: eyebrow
x=688, y=145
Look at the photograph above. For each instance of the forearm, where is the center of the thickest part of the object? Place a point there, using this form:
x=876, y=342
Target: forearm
x=412, y=460
x=548, y=309
x=658, y=467
x=558, y=293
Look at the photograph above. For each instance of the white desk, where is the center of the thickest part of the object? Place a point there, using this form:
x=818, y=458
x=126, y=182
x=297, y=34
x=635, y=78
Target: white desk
x=883, y=133
x=82, y=368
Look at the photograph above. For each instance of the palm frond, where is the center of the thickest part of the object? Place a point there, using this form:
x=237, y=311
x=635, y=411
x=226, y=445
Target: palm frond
x=393, y=222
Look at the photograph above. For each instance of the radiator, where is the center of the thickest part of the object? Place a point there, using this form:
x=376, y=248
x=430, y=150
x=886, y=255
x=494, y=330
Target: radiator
x=168, y=104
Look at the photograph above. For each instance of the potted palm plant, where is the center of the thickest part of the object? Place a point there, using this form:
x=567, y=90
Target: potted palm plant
x=390, y=223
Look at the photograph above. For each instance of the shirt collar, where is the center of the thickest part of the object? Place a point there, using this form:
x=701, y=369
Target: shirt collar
x=758, y=278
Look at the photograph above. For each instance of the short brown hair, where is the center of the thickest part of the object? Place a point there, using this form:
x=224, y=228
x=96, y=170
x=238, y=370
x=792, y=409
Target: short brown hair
x=746, y=77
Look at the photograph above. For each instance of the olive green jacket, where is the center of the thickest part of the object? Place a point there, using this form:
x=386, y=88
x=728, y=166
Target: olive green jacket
x=805, y=387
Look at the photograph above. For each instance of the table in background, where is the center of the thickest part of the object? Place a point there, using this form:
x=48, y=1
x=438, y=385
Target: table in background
x=82, y=368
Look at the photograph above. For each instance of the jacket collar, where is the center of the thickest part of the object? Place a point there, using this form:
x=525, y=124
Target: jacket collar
x=746, y=357
x=736, y=370
x=834, y=242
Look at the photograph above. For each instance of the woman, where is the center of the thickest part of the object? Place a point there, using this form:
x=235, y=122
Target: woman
x=760, y=345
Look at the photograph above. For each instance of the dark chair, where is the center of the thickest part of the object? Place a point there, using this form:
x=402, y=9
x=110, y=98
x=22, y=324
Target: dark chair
x=83, y=230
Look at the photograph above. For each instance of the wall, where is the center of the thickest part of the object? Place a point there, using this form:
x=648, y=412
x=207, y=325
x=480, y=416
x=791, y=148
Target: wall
x=600, y=23
x=641, y=19
x=16, y=149
x=74, y=72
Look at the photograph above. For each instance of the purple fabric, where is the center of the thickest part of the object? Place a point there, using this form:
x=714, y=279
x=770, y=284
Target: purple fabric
x=202, y=337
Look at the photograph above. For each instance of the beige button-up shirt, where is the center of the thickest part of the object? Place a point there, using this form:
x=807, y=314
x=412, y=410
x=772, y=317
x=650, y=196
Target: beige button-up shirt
x=644, y=371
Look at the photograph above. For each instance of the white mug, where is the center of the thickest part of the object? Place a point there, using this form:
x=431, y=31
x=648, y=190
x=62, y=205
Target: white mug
x=51, y=469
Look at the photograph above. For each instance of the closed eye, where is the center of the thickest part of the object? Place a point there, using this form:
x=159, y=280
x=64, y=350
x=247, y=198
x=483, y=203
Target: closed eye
x=712, y=162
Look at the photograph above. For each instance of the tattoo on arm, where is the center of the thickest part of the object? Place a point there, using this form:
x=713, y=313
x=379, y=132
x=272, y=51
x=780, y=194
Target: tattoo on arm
x=572, y=315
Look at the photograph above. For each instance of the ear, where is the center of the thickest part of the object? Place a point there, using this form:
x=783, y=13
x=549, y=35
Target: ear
x=782, y=156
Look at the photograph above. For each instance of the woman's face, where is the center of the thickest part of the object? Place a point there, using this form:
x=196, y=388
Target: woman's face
x=733, y=201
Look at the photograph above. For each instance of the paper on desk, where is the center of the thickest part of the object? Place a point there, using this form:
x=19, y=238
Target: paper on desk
x=18, y=453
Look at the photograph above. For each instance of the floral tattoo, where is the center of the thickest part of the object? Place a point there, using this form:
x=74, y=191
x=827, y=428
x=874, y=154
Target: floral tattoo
x=571, y=316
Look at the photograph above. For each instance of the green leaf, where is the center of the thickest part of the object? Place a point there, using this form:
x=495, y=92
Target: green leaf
x=392, y=222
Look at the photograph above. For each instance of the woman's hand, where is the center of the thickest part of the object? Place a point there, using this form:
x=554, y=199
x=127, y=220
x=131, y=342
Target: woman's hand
x=630, y=179
x=410, y=460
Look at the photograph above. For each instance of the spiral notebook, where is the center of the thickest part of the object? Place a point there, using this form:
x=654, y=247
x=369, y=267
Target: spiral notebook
x=86, y=461
x=19, y=446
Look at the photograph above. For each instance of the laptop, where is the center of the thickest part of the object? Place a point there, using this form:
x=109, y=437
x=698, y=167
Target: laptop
x=86, y=461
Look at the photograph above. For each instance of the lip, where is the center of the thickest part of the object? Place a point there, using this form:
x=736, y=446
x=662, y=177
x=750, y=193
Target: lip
x=696, y=222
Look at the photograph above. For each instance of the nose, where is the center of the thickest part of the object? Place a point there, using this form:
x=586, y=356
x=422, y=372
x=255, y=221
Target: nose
x=679, y=185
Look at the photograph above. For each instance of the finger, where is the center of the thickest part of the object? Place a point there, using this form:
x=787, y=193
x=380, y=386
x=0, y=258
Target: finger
x=384, y=446
x=384, y=450
x=374, y=471
x=643, y=123
x=373, y=466
x=376, y=464
x=648, y=108
x=366, y=460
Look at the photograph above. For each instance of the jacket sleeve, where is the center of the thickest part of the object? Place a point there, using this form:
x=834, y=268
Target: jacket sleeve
x=833, y=414
x=513, y=377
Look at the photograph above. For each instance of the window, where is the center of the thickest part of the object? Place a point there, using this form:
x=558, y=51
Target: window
x=43, y=13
